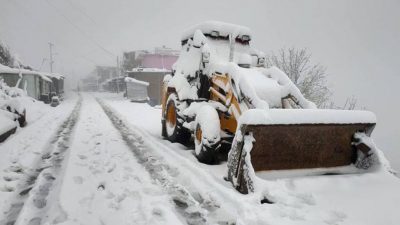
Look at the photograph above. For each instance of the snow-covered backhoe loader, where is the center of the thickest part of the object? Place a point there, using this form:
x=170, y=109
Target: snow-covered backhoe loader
x=221, y=94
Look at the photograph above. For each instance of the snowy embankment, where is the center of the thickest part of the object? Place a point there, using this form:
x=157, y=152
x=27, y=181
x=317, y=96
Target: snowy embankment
x=22, y=151
x=370, y=198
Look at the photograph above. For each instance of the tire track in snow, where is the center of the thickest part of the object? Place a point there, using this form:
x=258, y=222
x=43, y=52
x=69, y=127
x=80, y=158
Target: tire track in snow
x=36, y=185
x=192, y=207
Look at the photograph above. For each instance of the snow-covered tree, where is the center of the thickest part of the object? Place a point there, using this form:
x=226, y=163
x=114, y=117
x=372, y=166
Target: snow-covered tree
x=9, y=59
x=6, y=57
x=309, y=78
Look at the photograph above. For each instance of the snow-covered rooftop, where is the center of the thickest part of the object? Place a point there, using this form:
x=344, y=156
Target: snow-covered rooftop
x=223, y=28
x=6, y=69
x=148, y=70
x=133, y=80
x=44, y=75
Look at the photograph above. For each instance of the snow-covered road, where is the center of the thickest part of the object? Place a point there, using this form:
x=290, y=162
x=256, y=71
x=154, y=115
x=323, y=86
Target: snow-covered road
x=100, y=159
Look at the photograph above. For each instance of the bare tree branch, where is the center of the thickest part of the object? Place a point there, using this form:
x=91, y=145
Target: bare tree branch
x=309, y=78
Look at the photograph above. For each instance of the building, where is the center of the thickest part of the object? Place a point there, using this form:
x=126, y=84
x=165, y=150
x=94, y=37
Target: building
x=160, y=58
x=99, y=76
x=38, y=85
x=57, y=83
x=104, y=73
x=151, y=67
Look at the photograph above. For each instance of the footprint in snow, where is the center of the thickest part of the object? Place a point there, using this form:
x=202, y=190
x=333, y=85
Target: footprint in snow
x=157, y=212
x=39, y=203
x=78, y=179
x=9, y=178
x=35, y=221
x=16, y=169
x=86, y=201
x=46, y=155
x=7, y=188
x=111, y=168
x=336, y=217
x=101, y=187
x=82, y=157
x=306, y=198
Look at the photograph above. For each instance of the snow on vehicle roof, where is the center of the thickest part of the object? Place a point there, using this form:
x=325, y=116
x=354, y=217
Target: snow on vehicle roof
x=133, y=80
x=223, y=28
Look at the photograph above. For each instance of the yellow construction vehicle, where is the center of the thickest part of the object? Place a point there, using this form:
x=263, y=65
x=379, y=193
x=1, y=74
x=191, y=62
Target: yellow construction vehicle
x=221, y=94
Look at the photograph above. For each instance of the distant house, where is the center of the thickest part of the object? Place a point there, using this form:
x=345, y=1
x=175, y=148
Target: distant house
x=89, y=83
x=106, y=72
x=160, y=58
x=57, y=83
x=151, y=67
x=95, y=80
x=116, y=85
x=38, y=85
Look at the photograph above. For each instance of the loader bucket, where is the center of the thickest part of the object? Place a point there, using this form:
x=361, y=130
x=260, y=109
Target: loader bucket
x=301, y=146
x=293, y=146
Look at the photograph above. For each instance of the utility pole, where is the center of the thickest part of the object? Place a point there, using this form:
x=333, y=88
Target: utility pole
x=118, y=71
x=51, y=57
x=118, y=74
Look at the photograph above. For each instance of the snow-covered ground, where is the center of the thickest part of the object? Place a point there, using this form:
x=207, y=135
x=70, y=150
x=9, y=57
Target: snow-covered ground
x=372, y=198
x=100, y=159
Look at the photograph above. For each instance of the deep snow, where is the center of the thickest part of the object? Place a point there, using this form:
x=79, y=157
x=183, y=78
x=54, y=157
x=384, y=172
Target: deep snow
x=104, y=162
x=370, y=198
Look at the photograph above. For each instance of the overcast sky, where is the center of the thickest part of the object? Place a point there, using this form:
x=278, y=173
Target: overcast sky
x=358, y=41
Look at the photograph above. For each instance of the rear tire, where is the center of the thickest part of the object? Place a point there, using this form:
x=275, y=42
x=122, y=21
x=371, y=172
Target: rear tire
x=171, y=126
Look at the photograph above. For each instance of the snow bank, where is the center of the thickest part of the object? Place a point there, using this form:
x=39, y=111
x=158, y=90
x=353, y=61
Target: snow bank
x=7, y=92
x=308, y=116
x=6, y=121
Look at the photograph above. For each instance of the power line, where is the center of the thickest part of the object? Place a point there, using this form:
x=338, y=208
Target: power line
x=31, y=18
x=81, y=11
x=80, y=30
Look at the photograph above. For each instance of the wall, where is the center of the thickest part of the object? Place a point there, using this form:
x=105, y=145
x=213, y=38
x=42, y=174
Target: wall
x=158, y=61
x=155, y=80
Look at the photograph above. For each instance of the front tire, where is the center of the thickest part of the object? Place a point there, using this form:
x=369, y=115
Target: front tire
x=207, y=138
